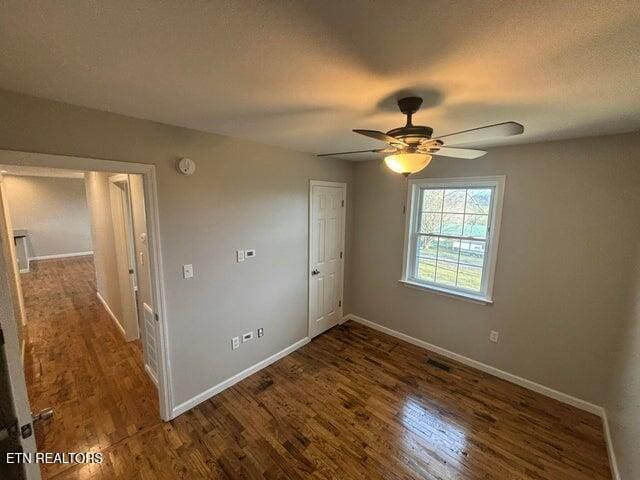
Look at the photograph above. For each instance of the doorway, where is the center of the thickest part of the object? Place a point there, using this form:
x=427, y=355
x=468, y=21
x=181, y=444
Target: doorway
x=326, y=254
x=136, y=227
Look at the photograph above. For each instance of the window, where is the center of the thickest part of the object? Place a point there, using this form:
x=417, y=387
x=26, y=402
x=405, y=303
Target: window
x=452, y=235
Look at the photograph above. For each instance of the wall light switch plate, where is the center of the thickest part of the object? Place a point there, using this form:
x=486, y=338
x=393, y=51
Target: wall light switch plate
x=235, y=343
x=493, y=336
x=250, y=253
x=187, y=271
x=260, y=332
x=247, y=336
x=240, y=255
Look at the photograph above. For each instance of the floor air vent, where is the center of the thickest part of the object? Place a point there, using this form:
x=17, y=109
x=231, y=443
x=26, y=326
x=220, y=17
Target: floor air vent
x=437, y=364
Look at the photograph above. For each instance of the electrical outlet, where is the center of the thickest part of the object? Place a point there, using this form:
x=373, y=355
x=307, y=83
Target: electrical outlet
x=493, y=336
x=235, y=343
x=247, y=336
x=250, y=253
x=239, y=256
x=187, y=271
x=260, y=332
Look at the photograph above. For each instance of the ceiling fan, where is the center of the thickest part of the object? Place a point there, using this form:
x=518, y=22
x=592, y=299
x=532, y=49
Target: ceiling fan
x=411, y=147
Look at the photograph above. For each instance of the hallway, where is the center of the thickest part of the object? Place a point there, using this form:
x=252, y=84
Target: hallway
x=77, y=362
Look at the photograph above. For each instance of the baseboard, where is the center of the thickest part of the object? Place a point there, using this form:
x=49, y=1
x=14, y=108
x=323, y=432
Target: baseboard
x=523, y=382
x=24, y=270
x=613, y=463
x=61, y=255
x=207, y=394
x=113, y=317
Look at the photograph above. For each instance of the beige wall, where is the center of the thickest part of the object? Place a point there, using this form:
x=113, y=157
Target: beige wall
x=570, y=229
x=243, y=195
x=104, y=246
x=623, y=399
x=53, y=210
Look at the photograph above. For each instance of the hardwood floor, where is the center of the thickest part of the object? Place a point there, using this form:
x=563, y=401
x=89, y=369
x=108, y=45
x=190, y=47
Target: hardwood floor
x=77, y=362
x=352, y=404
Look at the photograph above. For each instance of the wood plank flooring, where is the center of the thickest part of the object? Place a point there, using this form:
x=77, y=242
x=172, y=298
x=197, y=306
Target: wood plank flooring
x=77, y=362
x=352, y=404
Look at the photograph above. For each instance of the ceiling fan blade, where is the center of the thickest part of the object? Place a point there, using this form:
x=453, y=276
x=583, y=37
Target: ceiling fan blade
x=505, y=129
x=346, y=153
x=457, y=152
x=381, y=136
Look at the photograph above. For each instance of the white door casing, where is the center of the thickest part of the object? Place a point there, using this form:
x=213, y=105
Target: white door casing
x=327, y=206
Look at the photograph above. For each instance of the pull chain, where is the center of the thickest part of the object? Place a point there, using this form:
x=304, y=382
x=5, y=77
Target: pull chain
x=406, y=192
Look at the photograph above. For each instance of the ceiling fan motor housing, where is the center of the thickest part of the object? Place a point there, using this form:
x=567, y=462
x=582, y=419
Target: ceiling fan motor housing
x=411, y=134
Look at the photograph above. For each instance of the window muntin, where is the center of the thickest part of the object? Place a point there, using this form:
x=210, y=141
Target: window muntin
x=450, y=242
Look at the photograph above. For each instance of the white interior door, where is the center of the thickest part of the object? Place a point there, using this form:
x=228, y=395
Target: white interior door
x=120, y=212
x=326, y=254
x=149, y=343
x=16, y=427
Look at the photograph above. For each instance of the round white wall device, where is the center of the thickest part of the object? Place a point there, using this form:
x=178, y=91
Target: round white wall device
x=186, y=166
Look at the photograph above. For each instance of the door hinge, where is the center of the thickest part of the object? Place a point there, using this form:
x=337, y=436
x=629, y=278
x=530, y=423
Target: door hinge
x=157, y=317
x=343, y=203
x=26, y=430
x=339, y=303
x=340, y=254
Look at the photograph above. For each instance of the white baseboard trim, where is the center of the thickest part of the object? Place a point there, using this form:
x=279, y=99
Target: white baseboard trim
x=24, y=270
x=207, y=394
x=613, y=463
x=523, y=382
x=61, y=255
x=113, y=317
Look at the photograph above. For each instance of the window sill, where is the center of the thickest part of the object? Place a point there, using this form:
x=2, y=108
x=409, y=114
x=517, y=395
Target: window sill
x=469, y=297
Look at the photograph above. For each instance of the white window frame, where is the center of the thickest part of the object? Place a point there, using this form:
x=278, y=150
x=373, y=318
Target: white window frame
x=497, y=184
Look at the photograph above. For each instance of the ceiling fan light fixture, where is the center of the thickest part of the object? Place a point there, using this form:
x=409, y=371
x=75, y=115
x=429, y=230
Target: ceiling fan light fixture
x=407, y=163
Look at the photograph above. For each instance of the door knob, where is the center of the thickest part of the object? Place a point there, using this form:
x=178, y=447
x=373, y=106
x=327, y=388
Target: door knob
x=315, y=272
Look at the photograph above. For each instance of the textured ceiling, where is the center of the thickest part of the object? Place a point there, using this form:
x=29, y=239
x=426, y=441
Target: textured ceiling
x=302, y=74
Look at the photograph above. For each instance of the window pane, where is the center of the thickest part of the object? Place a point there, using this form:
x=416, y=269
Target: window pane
x=432, y=200
x=427, y=247
x=472, y=253
x=452, y=224
x=454, y=200
x=446, y=273
x=426, y=270
x=430, y=222
x=446, y=214
x=469, y=277
x=475, y=226
x=448, y=249
x=478, y=200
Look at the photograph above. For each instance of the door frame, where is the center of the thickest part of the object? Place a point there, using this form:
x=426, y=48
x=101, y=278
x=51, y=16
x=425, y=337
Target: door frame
x=323, y=183
x=120, y=194
x=148, y=172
